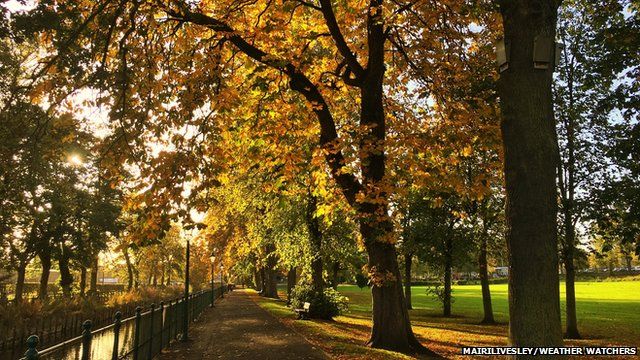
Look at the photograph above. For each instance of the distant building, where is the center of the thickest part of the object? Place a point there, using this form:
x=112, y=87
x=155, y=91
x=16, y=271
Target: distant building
x=501, y=271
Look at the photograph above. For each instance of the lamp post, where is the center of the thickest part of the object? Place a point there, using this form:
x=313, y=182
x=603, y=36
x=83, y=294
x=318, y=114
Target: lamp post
x=213, y=262
x=222, y=280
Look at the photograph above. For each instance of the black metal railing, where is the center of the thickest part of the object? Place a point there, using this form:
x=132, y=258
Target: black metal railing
x=141, y=336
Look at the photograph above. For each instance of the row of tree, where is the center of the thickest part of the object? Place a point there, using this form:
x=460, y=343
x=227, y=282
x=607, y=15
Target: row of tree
x=312, y=132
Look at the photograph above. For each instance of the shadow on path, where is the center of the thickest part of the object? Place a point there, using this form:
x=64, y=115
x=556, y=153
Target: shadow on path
x=237, y=328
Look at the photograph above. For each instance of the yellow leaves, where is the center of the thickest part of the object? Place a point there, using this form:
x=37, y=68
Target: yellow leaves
x=380, y=278
x=466, y=151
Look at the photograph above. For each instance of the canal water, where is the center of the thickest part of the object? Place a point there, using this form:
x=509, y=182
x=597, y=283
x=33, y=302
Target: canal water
x=101, y=346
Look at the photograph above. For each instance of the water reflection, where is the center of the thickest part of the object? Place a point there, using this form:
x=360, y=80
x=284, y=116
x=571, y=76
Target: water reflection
x=101, y=346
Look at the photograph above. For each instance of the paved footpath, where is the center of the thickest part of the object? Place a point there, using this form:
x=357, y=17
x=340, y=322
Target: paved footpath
x=237, y=328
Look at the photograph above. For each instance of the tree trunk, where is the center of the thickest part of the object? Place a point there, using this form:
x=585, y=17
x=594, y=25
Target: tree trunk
x=391, y=328
x=628, y=259
x=127, y=259
x=66, y=279
x=162, y=274
x=484, y=282
x=45, y=261
x=408, y=259
x=291, y=282
x=570, y=282
x=448, y=264
x=22, y=269
x=257, y=279
x=263, y=281
x=83, y=280
x=315, y=237
x=567, y=191
x=336, y=275
x=271, y=290
x=530, y=156
x=93, y=284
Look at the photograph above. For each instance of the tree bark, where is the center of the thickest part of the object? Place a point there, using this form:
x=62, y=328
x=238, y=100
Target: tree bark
x=570, y=280
x=291, y=282
x=336, y=275
x=271, y=272
x=257, y=280
x=530, y=156
x=21, y=272
x=408, y=260
x=45, y=261
x=263, y=281
x=127, y=259
x=391, y=328
x=93, y=284
x=66, y=279
x=315, y=237
x=448, y=265
x=83, y=280
x=484, y=282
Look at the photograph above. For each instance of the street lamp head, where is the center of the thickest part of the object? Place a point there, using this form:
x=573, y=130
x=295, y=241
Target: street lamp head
x=212, y=258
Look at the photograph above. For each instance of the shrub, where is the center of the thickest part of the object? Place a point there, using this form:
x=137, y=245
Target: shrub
x=324, y=304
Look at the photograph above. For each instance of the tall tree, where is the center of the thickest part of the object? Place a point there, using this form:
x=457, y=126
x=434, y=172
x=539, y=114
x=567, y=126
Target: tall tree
x=530, y=159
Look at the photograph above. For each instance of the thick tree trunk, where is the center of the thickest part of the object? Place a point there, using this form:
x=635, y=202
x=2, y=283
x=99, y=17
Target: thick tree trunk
x=315, y=237
x=484, y=282
x=21, y=272
x=336, y=275
x=530, y=153
x=263, y=281
x=66, y=279
x=257, y=280
x=391, y=328
x=448, y=264
x=408, y=260
x=291, y=282
x=272, y=281
x=83, y=281
x=45, y=261
x=272, y=284
x=93, y=284
x=127, y=259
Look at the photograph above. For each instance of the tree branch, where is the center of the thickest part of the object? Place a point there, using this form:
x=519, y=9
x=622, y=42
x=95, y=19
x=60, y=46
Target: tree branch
x=298, y=82
x=341, y=44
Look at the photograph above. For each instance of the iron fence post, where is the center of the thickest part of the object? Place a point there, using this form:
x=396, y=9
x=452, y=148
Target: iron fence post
x=86, y=340
x=32, y=343
x=116, y=335
x=162, y=319
x=150, y=353
x=136, y=336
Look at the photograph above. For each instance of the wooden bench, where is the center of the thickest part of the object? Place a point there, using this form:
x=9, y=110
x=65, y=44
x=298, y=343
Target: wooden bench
x=304, y=312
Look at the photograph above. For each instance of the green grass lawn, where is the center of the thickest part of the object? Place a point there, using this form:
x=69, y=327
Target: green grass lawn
x=608, y=314
x=606, y=310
